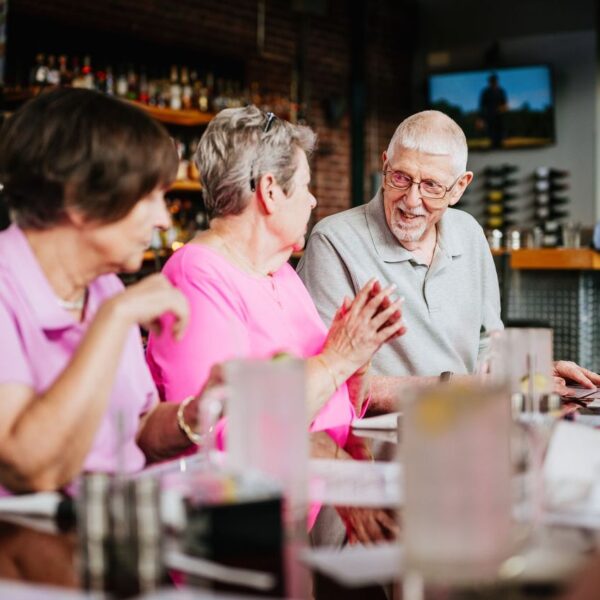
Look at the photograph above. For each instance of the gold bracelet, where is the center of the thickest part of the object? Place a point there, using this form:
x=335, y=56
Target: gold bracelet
x=323, y=362
x=191, y=435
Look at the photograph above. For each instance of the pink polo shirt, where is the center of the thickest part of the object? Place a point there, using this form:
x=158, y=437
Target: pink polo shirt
x=234, y=314
x=38, y=339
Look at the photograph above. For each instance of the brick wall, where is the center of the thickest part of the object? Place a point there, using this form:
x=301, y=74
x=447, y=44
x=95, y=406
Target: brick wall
x=228, y=28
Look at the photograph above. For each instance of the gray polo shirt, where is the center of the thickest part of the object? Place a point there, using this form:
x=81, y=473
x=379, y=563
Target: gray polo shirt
x=448, y=305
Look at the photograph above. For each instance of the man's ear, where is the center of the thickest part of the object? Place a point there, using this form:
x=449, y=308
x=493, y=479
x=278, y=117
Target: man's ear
x=383, y=158
x=265, y=193
x=460, y=187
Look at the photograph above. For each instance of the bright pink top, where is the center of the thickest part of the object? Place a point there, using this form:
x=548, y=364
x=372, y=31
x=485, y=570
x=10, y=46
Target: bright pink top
x=237, y=315
x=38, y=339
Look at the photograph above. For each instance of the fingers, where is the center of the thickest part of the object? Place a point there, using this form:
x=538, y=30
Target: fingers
x=368, y=526
x=593, y=377
x=392, y=314
x=560, y=388
x=380, y=301
x=388, y=332
x=388, y=524
x=215, y=377
x=154, y=297
x=363, y=297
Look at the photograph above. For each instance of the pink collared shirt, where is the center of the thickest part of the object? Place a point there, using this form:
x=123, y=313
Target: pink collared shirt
x=236, y=315
x=38, y=339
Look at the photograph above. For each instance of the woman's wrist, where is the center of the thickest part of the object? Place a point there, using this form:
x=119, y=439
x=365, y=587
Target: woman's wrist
x=187, y=414
x=340, y=366
x=364, y=370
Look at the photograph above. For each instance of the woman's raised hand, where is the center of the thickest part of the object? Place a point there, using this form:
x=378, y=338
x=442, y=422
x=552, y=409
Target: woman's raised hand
x=360, y=327
x=148, y=300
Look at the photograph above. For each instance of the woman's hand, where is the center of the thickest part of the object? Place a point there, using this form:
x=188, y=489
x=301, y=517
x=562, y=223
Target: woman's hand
x=145, y=302
x=368, y=525
x=362, y=326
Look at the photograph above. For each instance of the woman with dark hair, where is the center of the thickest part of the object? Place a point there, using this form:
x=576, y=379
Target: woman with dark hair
x=84, y=177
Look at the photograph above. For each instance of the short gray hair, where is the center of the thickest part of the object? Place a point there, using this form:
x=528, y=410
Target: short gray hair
x=234, y=150
x=432, y=132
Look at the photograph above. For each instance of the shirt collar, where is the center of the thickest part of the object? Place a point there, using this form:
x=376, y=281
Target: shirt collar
x=18, y=259
x=390, y=249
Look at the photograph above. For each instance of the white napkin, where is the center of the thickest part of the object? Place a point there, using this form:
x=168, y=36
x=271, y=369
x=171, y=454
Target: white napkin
x=571, y=471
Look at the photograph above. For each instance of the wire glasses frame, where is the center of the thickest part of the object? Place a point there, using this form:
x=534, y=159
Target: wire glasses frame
x=430, y=190
x=271, y=116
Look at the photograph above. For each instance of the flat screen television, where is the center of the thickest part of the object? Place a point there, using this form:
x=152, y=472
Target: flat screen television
x=511, y=107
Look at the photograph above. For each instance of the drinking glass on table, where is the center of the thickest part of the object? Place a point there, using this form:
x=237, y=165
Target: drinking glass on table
x=267, y=423
x=459, y=517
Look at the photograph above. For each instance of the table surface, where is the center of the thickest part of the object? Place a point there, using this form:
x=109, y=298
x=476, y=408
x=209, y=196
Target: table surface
x=40, y=554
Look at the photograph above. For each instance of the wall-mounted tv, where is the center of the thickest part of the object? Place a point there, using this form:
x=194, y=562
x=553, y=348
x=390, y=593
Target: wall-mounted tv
x=498, y=108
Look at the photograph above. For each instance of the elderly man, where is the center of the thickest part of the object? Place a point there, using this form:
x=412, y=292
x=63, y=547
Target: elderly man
x=437, y=256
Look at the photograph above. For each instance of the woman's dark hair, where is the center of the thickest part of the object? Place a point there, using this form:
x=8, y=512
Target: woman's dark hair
x=81, y=149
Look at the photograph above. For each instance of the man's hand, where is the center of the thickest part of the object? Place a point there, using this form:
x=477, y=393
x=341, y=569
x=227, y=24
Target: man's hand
x=368, y=525
x=566, y=371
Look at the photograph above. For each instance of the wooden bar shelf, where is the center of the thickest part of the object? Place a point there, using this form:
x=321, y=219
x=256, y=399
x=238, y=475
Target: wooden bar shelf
x=583, y=259
x=187, y=118
x=185, y=185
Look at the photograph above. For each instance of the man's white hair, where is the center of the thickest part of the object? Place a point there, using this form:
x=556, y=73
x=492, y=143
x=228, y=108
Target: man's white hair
x=432, y=132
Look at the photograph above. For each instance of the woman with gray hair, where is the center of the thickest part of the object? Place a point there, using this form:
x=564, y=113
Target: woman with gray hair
x=245, y=299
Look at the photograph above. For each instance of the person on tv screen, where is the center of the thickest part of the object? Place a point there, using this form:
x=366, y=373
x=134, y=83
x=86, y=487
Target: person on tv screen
x=493, y=104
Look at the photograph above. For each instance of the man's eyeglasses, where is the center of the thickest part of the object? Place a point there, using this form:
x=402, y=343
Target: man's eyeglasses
x=270, y=118
x=428, y=188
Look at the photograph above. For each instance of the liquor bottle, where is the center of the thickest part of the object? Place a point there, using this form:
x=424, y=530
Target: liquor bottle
x=500, y=196
x=210, y=91
x=545, y=212
x=186, y=89
x=545, y=185
x=550, y=173
x=144, y=95
x=500, y=171
x=163, y=91
x=550, y=200
x=499, y=209
x=53, y=77
x=100, y=79
x=498, y=222
x=77, y=79
x=493, y=171
x=40, y=71
x=121, y=84
x=87, y=74
x=550, y=240
x=174, y=90
x=203, y=101
x=132, y=84
x=63, y=70
x=217, y=99
x=110, y=81
x=499, y=183
x=195, y=85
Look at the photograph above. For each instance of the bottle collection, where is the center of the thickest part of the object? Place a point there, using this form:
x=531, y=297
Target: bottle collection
x=181, y=87
x=500, y=196
x=186, y=220
x=550, y=204
x=175, y=88
x=513, y=224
